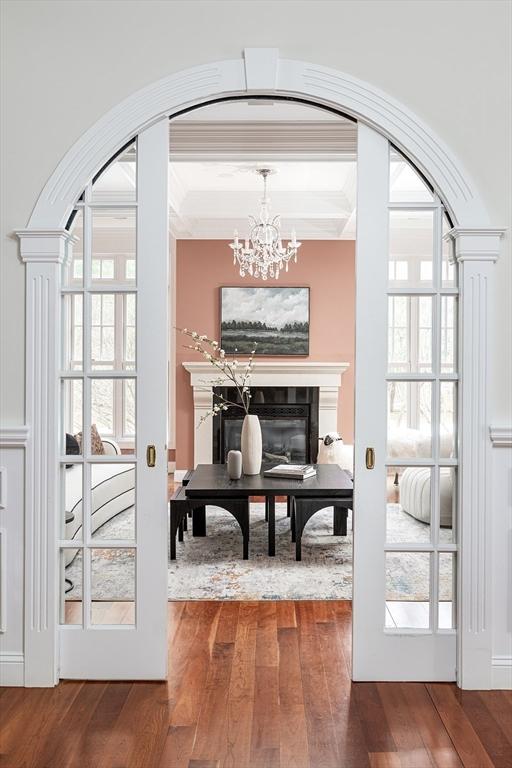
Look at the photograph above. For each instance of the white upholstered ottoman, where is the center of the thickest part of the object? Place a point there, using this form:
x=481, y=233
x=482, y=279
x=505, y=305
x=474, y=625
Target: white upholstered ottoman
x=415, y=494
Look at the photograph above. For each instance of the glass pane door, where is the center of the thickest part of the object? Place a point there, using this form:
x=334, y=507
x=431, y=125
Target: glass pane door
x=406, y=409
x=112, y=295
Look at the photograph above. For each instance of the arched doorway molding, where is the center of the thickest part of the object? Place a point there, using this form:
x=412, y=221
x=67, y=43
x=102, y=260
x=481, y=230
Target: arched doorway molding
x=261, y=71
x=43, y=246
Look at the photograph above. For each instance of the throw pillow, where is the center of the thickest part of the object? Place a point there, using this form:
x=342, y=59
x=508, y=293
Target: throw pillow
x=96, y=442
x=97, y=446
x=72, y=448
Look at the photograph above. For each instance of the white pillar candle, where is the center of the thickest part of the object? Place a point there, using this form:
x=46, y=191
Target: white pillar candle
x=235, y=465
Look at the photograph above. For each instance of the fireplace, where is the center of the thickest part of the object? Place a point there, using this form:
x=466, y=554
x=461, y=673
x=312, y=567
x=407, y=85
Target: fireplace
x=288, y=418
x=277, y=376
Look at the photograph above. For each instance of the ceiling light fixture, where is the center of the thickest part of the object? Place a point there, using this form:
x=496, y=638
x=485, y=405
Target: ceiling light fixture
x=263, y=253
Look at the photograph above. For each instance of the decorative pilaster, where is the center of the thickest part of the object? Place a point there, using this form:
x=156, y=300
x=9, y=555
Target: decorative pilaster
x=327, y=409
x=43, y=252
x=203, y=402
x=476, y=251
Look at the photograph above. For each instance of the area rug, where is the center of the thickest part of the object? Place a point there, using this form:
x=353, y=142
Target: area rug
x=211, y=567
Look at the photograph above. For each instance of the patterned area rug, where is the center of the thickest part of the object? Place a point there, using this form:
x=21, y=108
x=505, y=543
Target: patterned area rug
x=211, y=567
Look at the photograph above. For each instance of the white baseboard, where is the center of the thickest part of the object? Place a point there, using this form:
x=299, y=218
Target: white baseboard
x=501, y=676
x=12, y=669
x=171, y=467
x=179, y=474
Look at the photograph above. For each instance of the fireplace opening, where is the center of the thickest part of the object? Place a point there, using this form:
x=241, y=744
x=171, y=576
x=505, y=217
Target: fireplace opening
x=288, y=418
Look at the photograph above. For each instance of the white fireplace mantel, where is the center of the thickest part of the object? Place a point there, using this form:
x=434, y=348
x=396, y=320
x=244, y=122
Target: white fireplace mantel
x=325, y=376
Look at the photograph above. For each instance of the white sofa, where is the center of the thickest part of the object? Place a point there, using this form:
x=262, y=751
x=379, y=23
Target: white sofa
x=113, y=492
x=413, y=444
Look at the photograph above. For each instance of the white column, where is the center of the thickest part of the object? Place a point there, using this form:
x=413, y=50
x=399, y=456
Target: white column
x=476, y=251
x=203, y=448
x=327, y=409
x=43, y=252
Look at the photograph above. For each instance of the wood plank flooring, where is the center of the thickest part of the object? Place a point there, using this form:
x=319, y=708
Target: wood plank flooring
x=255, y=685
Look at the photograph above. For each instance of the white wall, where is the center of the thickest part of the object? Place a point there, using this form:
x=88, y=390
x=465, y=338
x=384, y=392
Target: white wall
x=64, y=64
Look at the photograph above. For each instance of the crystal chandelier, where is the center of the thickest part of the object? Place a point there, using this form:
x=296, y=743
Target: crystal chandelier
x=263, y=254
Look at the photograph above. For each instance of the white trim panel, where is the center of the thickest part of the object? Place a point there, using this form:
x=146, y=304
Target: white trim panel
x=14, y=437
x=12, y=669
x=502, y=673
x=3, y=580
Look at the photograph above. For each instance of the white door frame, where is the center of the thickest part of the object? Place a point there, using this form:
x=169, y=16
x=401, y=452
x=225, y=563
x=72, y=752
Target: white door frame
x=43, y=246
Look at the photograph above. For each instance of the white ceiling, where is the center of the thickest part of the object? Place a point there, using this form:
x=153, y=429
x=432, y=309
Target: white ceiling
x=211, y=199
x=238, y=176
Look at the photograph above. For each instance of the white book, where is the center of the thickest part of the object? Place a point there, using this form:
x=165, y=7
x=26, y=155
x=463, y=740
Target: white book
x=298, y=471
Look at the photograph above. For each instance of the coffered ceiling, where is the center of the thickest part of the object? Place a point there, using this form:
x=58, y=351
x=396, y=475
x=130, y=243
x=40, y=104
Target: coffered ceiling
x=210, y=199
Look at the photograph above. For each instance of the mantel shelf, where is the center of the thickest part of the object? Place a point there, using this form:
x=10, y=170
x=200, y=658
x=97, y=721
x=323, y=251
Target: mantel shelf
x=276, y=373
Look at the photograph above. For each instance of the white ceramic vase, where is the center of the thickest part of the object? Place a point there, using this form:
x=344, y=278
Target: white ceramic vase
x=251, y=445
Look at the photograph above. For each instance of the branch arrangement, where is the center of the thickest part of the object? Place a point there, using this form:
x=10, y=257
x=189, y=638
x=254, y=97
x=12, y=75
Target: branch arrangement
x=232, y=371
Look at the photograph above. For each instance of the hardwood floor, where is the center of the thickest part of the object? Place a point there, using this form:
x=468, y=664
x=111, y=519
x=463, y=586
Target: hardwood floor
x=250, y=685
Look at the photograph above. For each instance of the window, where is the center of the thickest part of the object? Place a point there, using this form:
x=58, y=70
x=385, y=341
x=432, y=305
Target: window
x=112, y=342
x=101, y=298
x=398, y=328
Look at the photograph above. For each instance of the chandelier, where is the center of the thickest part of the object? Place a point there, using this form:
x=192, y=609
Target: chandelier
x=263, y=253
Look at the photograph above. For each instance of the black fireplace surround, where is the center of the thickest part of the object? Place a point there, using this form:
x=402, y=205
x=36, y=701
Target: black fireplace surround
x=288, y=418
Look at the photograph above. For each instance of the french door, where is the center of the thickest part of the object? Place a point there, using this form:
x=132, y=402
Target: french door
x=405, y=505
x=113, y=506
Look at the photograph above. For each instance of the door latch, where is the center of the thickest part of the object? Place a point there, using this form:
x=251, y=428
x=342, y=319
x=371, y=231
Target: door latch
x=151, y=456
x=370, y=458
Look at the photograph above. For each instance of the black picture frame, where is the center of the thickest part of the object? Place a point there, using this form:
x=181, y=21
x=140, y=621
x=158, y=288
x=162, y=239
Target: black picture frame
x=294, y=344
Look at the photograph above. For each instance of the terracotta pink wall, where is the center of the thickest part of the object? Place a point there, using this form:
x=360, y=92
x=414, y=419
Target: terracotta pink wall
x=326, y=266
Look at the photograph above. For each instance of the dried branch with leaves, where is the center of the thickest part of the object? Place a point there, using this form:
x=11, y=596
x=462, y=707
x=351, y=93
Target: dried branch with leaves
x=232, y=371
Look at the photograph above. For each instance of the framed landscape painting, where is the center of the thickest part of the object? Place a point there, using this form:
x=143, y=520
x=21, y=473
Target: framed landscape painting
x=276, y=320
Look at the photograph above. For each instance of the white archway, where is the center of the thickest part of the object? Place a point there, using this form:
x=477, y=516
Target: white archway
x=43, y=248
x=261, y=71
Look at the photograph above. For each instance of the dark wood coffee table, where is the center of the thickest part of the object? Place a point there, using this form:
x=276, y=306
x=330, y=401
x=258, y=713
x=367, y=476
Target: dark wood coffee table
x=211, y=481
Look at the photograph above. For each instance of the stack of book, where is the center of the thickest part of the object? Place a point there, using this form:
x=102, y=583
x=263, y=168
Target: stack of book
x=295, y=471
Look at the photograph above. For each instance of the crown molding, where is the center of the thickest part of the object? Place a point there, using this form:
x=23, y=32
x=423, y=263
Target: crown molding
x=457, y=232
x=44, y=245
x=217, y=140
x=476, y=244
